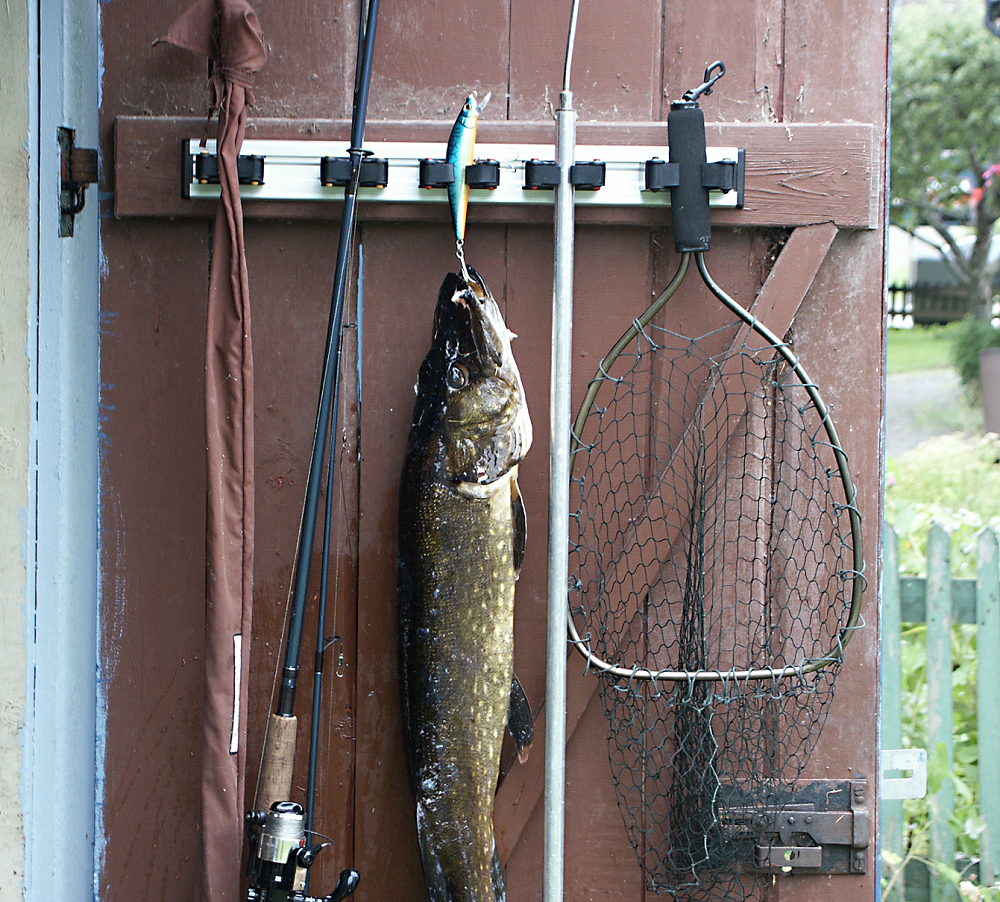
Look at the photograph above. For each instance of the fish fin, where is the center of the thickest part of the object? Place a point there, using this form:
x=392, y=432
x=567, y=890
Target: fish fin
x=496, y=872
x=519, y=720
x=519, y=520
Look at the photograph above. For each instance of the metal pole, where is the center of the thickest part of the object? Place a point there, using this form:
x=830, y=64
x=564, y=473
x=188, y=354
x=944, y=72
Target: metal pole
x=559, y=474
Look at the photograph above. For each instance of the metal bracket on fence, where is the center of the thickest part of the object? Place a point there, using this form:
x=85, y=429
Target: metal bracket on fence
x=410, y=172
x=911, y=765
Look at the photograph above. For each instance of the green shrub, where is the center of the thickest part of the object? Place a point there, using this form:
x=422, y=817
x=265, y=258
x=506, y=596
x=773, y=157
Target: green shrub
x=969, y=337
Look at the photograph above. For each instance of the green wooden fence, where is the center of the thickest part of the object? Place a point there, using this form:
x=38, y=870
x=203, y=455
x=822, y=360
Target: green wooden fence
x=940, y=601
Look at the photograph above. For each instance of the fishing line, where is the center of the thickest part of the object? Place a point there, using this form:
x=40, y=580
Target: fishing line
x=570, y=44
x=717, y=567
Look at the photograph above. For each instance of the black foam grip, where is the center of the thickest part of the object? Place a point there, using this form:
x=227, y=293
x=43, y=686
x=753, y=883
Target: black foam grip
x=689, y=199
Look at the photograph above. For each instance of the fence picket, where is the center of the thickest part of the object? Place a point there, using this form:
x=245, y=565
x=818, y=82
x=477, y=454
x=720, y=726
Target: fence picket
x=892, y=707
x=939, y=704
x=942, y=601
x=987, y=708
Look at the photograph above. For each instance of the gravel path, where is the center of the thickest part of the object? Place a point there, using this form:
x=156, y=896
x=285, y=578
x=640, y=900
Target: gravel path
x=920, y=405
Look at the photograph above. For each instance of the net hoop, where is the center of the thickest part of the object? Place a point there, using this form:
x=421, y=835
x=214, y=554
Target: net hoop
x=833, y=655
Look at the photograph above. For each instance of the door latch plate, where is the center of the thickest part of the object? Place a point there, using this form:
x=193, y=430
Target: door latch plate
x=821, y=827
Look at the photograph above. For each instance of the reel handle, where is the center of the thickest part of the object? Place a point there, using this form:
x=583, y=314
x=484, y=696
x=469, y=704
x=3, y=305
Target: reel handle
x=346, y=884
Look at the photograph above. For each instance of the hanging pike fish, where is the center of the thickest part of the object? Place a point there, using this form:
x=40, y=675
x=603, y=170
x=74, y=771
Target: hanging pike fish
x=461, y=151
x=461, y=542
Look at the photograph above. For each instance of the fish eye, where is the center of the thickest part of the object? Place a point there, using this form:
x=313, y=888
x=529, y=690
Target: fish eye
x=458, y=376
x=468, y=106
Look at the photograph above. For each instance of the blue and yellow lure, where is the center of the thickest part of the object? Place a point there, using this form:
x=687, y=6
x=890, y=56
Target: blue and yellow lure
x=461, y=151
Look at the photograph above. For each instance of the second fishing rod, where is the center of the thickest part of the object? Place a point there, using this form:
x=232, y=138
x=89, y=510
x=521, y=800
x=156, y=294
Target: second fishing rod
x=278, y=827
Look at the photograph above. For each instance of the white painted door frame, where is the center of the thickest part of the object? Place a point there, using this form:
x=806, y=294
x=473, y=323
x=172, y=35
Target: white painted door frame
x=62, y=775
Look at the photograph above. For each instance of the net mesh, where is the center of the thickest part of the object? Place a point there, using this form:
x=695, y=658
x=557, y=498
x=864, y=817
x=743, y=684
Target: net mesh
x=711, y=546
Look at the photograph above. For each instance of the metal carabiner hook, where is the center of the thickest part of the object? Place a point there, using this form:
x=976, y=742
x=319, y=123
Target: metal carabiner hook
x=710, y=80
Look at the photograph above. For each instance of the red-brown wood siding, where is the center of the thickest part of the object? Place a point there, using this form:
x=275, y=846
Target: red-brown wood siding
x=792, y=67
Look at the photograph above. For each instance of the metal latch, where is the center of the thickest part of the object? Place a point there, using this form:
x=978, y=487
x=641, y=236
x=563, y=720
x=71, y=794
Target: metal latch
x=78, y=168
x=822, y=827
x=904, y=773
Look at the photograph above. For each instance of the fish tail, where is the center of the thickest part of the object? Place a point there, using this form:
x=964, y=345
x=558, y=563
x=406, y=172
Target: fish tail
x=441, y=887
x=434, y=876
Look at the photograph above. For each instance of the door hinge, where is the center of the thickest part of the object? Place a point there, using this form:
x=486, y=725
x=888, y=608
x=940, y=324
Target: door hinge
x=821, y=827
x=78, y=168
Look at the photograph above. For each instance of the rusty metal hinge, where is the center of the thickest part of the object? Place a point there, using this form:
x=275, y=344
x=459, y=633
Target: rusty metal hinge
x=78, y=168
x=822, y=827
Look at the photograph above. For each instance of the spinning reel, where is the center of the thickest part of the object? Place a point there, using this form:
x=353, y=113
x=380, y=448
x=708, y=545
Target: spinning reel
x=280, y=859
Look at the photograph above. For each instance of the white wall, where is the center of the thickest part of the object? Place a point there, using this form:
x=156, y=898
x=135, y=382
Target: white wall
x=15, y=425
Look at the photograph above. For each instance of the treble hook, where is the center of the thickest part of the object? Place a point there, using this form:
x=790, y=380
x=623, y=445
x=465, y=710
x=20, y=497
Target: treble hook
x=710, y=79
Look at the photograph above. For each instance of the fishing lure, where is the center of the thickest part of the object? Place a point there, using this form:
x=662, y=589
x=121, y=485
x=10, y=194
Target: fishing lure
x=461, y=148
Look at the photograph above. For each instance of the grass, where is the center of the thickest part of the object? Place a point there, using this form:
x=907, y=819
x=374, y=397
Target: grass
x=919, y=348
x=953, y=480
x=932, y=348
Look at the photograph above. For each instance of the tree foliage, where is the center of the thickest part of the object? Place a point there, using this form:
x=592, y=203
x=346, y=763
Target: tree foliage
x=945, y=138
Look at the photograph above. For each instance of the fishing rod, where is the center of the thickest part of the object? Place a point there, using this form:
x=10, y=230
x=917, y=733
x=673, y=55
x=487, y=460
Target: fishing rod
x=362, y=78
x=277, y=826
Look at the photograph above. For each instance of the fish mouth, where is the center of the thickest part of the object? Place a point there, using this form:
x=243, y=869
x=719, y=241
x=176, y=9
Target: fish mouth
x=490, y=338
x=487, y=420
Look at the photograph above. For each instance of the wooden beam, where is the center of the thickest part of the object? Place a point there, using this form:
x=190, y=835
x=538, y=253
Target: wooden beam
x=795, y=174
x=783, y=292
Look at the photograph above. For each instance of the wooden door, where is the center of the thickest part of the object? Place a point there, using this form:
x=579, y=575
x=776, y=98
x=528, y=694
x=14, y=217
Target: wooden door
x=804, y=94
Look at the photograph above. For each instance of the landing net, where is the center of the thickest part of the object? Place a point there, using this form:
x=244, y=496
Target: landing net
x=715, y=578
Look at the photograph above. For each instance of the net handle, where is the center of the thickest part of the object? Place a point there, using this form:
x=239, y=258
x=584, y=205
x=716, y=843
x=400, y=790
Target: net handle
x=835, y=654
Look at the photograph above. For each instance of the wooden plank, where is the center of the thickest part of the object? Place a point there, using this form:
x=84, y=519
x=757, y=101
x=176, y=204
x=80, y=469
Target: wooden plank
x=987, y=710
x=892, y=708
x=795, y=175
x=752, y=54
x=822, y=63
x=612, y=284
x=152, y=557
x=403, y=266
x=776, y=305
x=429, y=55
x=615, y=59
x=939, y=703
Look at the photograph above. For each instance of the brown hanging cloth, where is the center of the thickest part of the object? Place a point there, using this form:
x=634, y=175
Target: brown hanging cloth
x=226, y=31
